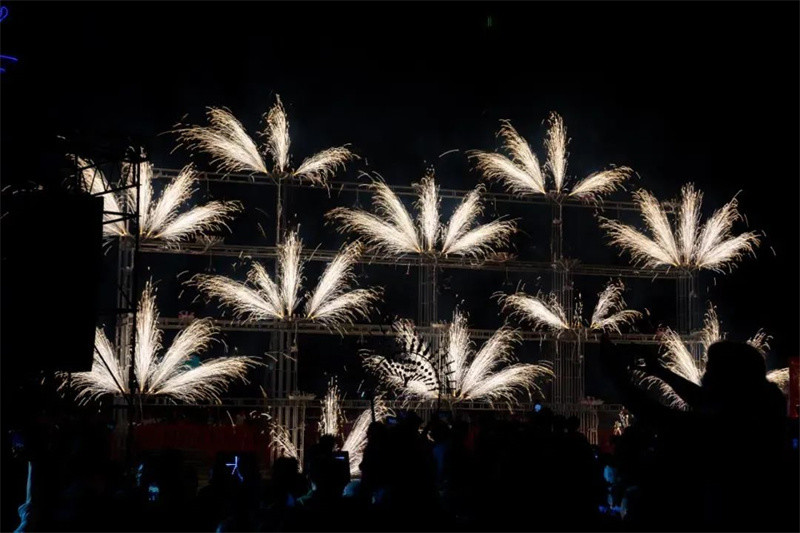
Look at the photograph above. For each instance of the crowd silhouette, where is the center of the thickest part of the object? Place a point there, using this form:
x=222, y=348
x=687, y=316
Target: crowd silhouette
x=729, y=463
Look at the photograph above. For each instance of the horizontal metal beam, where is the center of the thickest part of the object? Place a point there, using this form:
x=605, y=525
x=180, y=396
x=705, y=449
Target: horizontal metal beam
x=311, y=401
x=381, y=330
x=339, y=186
x=510, y=265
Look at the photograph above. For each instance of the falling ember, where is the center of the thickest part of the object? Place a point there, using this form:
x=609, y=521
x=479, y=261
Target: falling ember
x=166, y=375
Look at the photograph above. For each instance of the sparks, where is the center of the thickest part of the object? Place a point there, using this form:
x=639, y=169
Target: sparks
x=677, y=358
x=391, y=229
x=691, y=246
x=165, y=375
x=522, y=174
x=609, y=312
x=158, y=219
x=281, y=441
x=330, y=421
x=781, y=378
x=356, y=439
x=233, y=150
x=540, y=312
x=332, y=303
x=467, y=375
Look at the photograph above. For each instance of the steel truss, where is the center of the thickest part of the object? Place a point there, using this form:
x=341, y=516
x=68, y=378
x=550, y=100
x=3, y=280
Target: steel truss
x=566, y=348
x=386, y=330
x=339, y=186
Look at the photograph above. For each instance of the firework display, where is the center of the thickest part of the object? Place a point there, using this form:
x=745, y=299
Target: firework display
x=689, y=245
x=457, y=372
x=522, y=174
x=233, y=150
x=158, y=219
x=677, y=357
x=442, y=364
x=609, y=313
x=392, y=230
x=333, y=302
x=169, y=374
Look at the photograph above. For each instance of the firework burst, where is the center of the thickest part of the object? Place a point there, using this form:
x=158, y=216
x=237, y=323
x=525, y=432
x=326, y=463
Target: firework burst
x=484, y=375
x=233, y=150
x=522, y=174
x=169, y=374
x=689, y=246
x=392, y=230
x=332, y=302
x=159, y=219
x=546, y=313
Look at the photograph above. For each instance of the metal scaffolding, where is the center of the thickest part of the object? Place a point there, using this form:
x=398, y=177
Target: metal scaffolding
x=566, y=349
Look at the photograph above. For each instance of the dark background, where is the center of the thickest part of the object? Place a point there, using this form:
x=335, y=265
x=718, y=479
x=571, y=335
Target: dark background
x=701, y=92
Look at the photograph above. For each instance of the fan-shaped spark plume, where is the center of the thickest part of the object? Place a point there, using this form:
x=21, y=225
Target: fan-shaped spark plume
x=665, y=393
x=391, y=229
x=521, y=173
x=711, y=332
x=233, y=150
x=780, y=378
x=226, y=140
x=158, y=220
x=472, y=376
x=94, y=182
x=556, y=144
x=332, y=302
x=609, y=312
x=760, y=341
x=330, y=420
x=428, y=208
x=356, y=439
x=678, y=359
x=281, y=441
x=278, y=139
x=322, y=166
x=710, y=247
x=413, y=374
x=167, y=375
x=600, y=183
x=290, y=271
x=535, y=310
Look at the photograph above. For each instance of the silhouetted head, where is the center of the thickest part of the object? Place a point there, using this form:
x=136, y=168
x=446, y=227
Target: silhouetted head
x=326, y=444
x=573, y=424
x=734, y=370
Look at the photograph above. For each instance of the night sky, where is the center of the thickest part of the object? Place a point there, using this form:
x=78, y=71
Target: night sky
x=679, y=91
